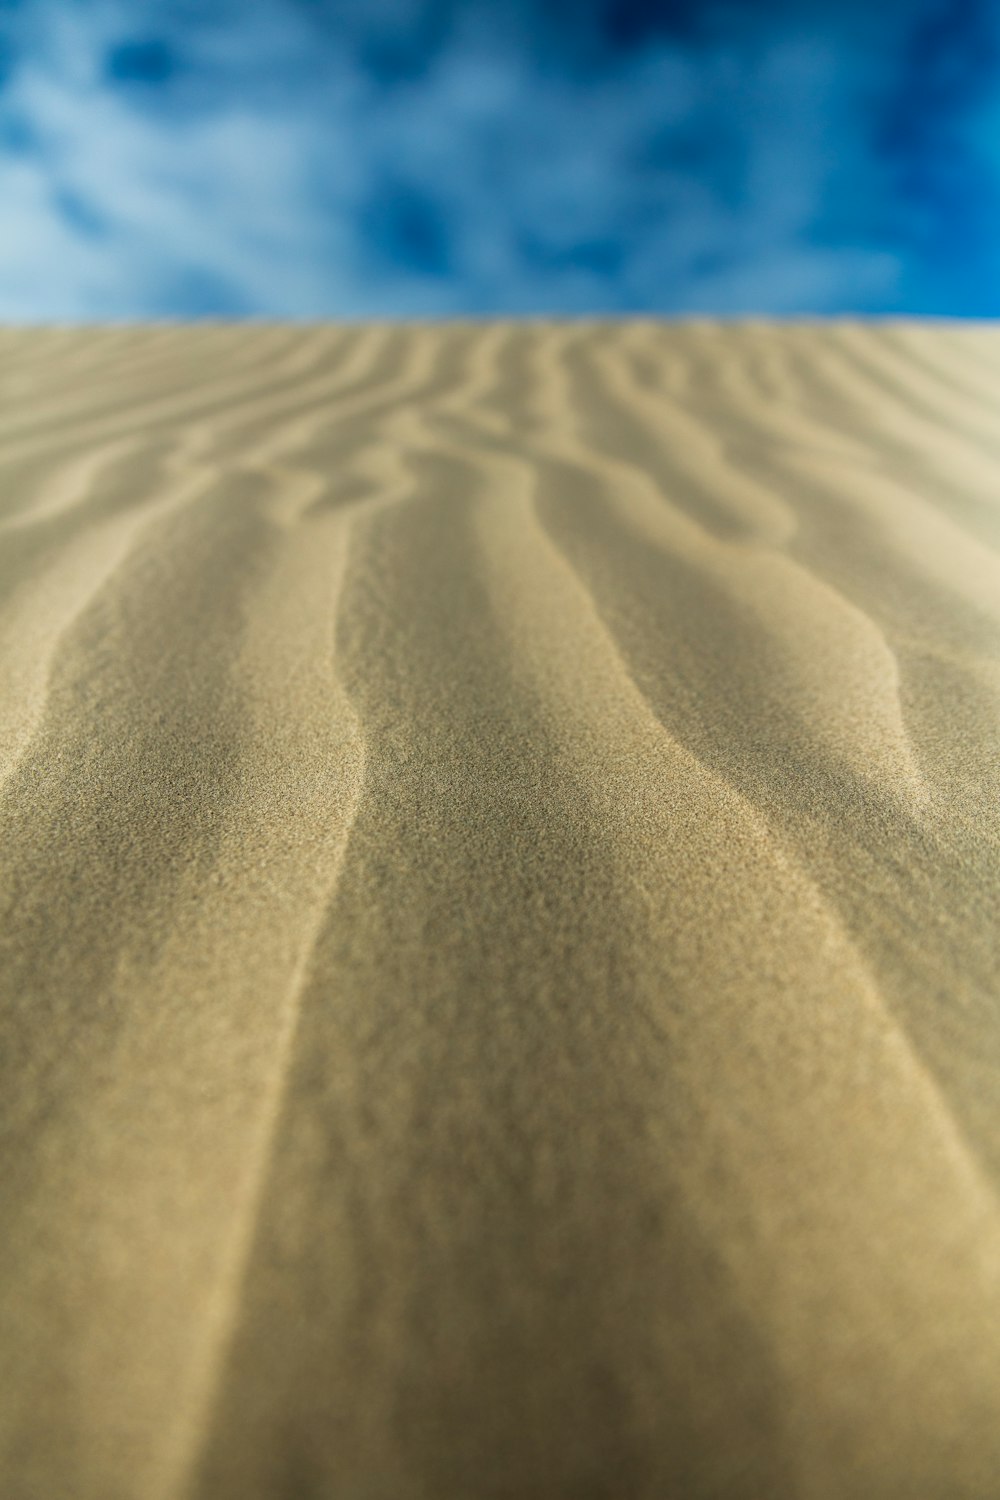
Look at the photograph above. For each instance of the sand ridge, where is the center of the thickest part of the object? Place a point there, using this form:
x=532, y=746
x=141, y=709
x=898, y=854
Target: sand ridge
x=498, y=911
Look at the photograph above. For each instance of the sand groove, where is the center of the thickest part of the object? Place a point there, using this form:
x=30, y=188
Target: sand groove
x=498, y=913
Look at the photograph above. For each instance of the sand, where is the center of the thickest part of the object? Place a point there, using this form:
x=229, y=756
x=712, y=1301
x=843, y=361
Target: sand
x=500, y=985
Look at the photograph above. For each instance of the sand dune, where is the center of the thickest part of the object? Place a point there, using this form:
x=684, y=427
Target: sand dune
x=500, y=986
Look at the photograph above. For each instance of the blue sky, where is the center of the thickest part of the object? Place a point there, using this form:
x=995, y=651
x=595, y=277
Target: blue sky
x=384, y=158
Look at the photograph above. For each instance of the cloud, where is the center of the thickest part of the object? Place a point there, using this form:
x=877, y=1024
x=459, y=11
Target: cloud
x=387, y=157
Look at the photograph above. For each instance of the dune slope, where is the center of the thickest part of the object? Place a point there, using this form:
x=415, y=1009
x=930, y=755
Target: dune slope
x=500, y=983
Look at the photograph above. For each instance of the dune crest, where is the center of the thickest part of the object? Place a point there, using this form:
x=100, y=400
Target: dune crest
x=498, y=912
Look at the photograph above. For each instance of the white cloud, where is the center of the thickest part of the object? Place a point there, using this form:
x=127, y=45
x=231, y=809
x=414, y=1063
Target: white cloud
x=248, y=179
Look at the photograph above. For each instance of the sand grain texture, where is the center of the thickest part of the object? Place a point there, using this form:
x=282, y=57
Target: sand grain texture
x=500, y=984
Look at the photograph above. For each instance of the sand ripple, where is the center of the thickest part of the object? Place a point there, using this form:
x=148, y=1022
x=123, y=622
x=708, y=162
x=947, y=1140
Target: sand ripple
x=500, y=960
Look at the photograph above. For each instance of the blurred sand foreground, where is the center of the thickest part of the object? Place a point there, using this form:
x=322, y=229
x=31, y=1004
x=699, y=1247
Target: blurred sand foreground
x=499, y=890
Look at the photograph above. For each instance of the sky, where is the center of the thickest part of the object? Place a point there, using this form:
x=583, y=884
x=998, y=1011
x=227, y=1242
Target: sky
x=439, y=158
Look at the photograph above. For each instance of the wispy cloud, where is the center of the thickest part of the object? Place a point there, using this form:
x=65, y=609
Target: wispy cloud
x=392, y=157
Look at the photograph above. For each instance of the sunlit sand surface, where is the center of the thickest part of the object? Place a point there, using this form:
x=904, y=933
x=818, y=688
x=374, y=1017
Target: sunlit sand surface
x=500, y=890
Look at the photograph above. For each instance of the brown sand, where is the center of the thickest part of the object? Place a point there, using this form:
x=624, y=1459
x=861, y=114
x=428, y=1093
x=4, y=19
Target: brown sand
x=500, y=841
